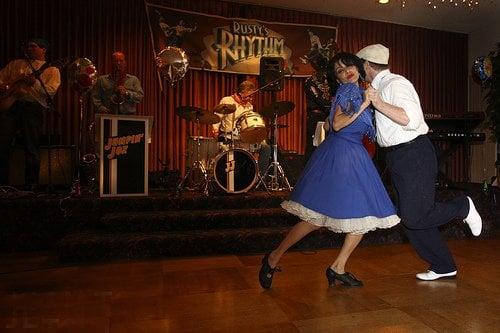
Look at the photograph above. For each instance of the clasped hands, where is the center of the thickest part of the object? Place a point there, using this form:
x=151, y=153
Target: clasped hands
x=372, y=95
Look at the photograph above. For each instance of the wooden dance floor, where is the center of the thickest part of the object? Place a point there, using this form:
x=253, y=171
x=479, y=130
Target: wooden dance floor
x=222, y=294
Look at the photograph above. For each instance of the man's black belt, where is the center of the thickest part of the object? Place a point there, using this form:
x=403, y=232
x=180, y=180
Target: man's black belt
x=405, y=144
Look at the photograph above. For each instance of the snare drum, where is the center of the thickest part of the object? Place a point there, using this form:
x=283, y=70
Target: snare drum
x=235, y=171
x=251, y=127
x=208, y=149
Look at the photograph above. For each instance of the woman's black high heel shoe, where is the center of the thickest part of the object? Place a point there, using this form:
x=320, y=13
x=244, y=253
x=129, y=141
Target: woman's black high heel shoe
x=266, y=273
x=347, y=279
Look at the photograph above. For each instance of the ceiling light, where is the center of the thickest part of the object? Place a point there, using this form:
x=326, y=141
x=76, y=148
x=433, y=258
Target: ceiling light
x=469, y=4
x=435, y=4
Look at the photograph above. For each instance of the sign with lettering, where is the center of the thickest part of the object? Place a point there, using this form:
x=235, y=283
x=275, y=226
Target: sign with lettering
x=236, y=45
x=123, y=155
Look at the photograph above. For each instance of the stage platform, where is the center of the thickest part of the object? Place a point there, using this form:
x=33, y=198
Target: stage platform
x=163, y=224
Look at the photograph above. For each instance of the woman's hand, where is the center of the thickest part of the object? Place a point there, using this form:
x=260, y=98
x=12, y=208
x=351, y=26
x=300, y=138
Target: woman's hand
x=326, y=125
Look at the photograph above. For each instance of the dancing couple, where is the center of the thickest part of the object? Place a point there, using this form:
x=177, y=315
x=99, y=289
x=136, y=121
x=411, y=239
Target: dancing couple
x=340, y=188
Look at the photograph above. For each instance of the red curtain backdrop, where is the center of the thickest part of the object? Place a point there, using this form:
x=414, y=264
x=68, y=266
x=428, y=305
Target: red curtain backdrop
x=435, y=61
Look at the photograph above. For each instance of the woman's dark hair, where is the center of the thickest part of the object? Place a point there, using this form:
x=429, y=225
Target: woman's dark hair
x=347, y=59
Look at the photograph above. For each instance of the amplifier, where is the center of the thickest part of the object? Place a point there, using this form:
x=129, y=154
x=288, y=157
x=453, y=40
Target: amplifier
x=62, y=165
x=293, y=163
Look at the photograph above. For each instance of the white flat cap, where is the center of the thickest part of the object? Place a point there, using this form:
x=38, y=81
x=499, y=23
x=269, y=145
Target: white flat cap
x=376, y=53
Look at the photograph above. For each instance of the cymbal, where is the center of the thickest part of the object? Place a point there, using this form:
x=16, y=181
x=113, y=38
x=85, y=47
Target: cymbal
x=224, y=108
x=193, y=113
x=277, y=109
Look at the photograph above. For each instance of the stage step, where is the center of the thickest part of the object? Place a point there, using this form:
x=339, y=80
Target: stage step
x=192, y=224
x=196, y=220
x=89, y=246
x=187, y=200
x=98, y=246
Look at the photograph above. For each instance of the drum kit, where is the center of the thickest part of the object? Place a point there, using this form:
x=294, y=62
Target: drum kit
x=234, y=170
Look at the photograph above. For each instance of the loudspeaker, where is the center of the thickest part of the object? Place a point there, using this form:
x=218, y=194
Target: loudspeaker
x=271, y=68
x=62, y=159
x=293, y=163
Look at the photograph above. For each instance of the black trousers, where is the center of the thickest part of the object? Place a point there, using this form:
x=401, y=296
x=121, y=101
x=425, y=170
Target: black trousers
x=413, y=169
x=27, y=117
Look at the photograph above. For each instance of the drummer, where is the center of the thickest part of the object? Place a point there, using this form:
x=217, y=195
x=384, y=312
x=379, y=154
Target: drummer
x=230, y=109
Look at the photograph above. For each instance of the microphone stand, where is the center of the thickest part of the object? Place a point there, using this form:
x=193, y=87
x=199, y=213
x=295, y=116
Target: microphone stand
x=268, y=84
x=51, y=109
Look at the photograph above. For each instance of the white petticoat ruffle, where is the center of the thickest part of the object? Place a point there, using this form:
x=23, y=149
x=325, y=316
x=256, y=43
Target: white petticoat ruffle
x=359, y=225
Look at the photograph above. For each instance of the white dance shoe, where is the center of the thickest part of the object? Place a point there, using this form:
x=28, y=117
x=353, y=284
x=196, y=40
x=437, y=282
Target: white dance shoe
x=431, y=276
x=473, y=219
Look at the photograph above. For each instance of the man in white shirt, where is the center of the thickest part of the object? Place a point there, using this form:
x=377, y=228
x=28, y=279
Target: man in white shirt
x=225, y=129
x=412, y=163
x=25, y=95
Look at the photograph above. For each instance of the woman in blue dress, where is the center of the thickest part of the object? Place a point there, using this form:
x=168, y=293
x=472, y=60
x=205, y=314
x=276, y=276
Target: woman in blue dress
x=340, y=188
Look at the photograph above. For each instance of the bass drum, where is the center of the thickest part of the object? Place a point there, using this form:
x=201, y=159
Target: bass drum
x=235, y=171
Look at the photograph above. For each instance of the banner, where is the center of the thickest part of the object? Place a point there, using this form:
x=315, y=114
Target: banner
x=236, y=45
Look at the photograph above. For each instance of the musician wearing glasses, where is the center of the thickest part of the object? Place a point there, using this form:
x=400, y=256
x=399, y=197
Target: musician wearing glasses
x=26, y=88
x=118, y=92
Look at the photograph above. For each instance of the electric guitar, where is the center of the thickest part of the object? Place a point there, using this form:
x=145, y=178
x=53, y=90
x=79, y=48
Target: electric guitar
x=17, y=87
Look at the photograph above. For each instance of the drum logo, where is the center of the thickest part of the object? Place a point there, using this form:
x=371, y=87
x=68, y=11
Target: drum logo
x=230, y=166
x=118, y=145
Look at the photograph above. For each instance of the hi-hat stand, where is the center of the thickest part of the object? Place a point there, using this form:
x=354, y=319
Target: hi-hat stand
x=275, y=177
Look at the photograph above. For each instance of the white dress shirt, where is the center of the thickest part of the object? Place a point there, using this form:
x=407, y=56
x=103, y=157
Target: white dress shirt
x=398, y=91
x=50, y=77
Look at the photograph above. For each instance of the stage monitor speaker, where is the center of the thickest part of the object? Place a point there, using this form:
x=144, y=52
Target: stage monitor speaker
x=271, y=69
x=293, y=163
x=62, y=165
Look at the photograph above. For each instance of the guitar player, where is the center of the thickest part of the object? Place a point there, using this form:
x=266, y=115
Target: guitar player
x=26, y=86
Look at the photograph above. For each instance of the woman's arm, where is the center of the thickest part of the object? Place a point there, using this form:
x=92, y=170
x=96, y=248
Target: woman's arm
x=341, y=120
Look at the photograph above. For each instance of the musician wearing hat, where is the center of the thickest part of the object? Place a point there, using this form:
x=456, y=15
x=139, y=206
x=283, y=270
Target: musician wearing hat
x=118, y=92
x=320, y=87
x=412, y=163
x=26, y=88
x=232, y=110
